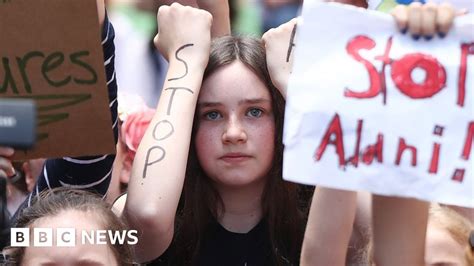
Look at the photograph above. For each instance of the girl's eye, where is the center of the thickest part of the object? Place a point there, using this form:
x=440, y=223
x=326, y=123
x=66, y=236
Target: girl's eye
x=213, y=115
x=254, y=112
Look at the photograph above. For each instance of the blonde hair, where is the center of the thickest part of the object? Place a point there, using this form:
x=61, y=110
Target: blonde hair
x=458, y=227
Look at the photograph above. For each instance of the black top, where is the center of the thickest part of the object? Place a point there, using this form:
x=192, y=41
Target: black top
x=221, y=247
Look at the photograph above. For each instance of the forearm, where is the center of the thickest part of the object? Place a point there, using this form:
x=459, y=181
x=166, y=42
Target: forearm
x=329, y=227
x=160, y=163
x=399, y=226
x=101, y=11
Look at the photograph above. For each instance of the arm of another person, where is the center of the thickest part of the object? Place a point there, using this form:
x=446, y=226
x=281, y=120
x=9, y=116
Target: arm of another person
x=159, y=167
x=399, y=224
x=219, y=10
x=332, y=212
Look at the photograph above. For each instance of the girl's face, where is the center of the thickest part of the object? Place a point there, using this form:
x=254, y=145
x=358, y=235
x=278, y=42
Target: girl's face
x=236, y=127
x=80, y=254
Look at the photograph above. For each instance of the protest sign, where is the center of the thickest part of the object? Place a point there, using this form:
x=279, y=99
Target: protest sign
x=51, y=53
x=369, y=108
x=387, y=5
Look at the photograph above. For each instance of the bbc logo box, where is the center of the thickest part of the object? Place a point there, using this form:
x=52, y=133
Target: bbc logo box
x=43, y=237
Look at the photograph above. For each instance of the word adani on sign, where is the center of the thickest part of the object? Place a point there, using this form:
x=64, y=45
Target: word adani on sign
x=371, y=109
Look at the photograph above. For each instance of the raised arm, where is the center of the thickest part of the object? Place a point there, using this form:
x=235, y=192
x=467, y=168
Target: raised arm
x=219, y=10
x=160, y=163
x=332, y=212
x=279, y=48
x=399, y=224
x=329, y=227
x=101, y=11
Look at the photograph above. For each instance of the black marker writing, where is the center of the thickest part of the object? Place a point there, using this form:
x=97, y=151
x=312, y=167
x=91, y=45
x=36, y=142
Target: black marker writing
x=157, y=130
x=292, y=44
x=184, y=62
x=161, y=156
x=168, y=112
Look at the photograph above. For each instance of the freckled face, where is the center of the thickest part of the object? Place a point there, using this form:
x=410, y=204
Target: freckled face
x=236, y=127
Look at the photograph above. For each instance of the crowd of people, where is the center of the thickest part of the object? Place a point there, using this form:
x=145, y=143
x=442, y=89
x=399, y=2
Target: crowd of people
x=199, y=177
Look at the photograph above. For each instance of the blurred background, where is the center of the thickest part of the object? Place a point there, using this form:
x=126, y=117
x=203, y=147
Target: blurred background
x=141, y=69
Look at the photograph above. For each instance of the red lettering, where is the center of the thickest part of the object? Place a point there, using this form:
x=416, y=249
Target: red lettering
x=438, y=131
x=466, y=49
x=434, y=159
x=402, y=146
x=458, y=175
x=335, y=130
x=373, y=151
x=435, y=75
x=353, y=47
x=466, y=152
x=354, y=160
x=385, y=58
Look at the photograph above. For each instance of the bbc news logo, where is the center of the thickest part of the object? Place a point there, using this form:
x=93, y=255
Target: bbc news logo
x=67, y=237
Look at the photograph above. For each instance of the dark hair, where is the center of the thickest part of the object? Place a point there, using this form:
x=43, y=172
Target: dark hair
x=201, y=201
x=53, y=202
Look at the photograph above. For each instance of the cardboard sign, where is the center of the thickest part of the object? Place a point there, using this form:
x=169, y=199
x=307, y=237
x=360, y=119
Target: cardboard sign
x=50, y=51
x=369, y=108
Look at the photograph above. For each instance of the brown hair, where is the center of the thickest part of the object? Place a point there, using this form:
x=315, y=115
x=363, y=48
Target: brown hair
x=201, y=201
x=53, y=202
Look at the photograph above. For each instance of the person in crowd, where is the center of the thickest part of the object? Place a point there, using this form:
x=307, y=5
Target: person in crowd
x=85, y=212
x=234, y=199
x=134, y=117
x=89, y=172
x=328, y=233
x=449, y=239
x=15, y=188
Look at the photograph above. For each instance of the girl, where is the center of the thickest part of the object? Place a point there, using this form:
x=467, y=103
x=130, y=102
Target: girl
x=68, y=208
x=234, y=199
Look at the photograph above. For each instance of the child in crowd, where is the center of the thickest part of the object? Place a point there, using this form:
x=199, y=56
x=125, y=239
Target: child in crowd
x=398, y=240
x=134, y=118
x=234, y=197
x=69, y=208
x=91, y=172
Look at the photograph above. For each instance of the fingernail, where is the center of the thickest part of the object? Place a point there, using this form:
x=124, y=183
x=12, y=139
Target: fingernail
x=428, y=37
x=416, y=37
x=442, y=34
x=404, y=30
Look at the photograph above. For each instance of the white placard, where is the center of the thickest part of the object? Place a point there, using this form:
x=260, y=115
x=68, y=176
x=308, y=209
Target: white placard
x=369, y=108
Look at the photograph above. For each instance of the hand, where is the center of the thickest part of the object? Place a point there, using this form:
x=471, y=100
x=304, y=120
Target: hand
x=221, y=15
x=6, y=167
x=279, y=47
x=425, y=20
x=181, y=25
x=219, y=10
x=192, y=3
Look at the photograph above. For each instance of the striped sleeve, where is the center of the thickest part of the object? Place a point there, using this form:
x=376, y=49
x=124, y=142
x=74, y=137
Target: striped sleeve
x=92, y=173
